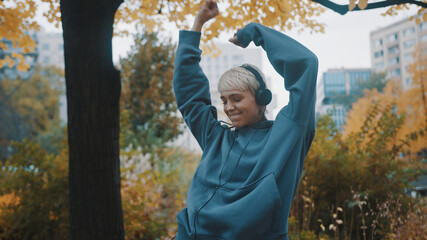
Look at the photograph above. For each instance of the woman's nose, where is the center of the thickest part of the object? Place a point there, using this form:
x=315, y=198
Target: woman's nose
x=228, y=106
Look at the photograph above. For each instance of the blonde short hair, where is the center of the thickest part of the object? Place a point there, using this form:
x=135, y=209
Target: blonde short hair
x=241, y=79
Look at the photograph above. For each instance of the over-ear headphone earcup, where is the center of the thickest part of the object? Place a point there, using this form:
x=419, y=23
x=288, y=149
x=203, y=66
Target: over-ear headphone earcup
x=263, y=96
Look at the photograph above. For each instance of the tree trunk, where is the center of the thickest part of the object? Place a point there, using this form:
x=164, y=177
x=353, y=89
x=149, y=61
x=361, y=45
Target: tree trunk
x=93, y=93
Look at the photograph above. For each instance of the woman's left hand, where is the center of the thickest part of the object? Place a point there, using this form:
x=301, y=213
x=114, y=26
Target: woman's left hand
x=234, y=39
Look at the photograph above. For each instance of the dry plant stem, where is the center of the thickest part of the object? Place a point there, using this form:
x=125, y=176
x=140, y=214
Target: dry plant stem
x=343, y=224
x=363, y=222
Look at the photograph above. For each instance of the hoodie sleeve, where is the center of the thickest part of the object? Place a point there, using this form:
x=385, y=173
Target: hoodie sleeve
x=294, y=62
x=192, y=88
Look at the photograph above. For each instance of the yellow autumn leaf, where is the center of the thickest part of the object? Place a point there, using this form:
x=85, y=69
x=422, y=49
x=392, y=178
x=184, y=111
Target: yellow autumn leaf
x=23, y=67
x=3, y=46
x=7, y=59
x=362, y=4
x=351, y=5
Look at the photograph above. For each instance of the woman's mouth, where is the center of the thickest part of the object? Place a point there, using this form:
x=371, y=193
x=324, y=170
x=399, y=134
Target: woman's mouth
x=233, y=115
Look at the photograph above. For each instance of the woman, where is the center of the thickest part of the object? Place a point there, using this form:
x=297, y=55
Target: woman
x=248, y=174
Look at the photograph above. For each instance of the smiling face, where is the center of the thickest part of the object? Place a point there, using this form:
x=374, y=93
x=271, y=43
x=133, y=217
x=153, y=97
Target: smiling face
x=240, y=107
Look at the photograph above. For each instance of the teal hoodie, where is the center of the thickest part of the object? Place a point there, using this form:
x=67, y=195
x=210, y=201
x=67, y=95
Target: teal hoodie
x=247, y=177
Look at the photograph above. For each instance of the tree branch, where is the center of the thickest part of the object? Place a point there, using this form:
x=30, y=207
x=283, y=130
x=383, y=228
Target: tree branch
x=343, y=9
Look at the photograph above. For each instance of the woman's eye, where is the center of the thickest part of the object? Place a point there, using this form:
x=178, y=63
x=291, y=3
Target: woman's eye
x=237, y=100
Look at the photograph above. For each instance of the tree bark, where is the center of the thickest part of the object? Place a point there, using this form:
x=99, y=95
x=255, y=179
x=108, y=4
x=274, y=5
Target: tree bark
x=343, y=9
x=93, y=93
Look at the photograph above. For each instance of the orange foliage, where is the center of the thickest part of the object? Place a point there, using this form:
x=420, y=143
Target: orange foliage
x=36, y=183
x=359, y=110
x=19, y=16
x=153, y=191
x=284, y=15
x=415, y=226
x=411, y=102
x=150, y=206
x=6, y=200
x=35, y=99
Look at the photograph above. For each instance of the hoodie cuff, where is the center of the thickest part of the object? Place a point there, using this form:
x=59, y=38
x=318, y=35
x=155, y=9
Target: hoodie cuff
x=189, y=37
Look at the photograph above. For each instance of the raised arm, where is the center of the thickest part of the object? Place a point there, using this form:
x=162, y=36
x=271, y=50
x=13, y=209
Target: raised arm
x=294, y=62
x=190, y=83
x=208, y=11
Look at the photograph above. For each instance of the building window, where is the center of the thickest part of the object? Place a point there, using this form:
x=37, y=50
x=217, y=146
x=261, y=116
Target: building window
x=379, y=54
x=45, y=46
x=393, y=49
x=61, y=46
x=408, y=31
x=409, y=43
x=237, y=58
x=423, y=26
x=379, y=65
x=408, y=81
x=392, y=37
x=407, y=57
x=423, y=38
x=393, y=61
x=395, y=72
x=378, y=43
x=46, y=60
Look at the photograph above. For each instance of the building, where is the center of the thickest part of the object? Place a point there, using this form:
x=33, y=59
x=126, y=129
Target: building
x=392, y=47
x=338, y=82
x=50, y=49
x=51, y=53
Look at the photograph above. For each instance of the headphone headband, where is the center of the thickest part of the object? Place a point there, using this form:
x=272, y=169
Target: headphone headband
x=256, y=74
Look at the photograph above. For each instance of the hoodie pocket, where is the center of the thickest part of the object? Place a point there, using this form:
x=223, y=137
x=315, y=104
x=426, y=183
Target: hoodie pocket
x=244, y=213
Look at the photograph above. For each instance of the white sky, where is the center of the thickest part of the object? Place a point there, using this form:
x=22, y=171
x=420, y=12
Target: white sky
x=345, y=42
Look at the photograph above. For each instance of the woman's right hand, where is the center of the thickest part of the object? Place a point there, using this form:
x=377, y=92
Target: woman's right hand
x=208, y=11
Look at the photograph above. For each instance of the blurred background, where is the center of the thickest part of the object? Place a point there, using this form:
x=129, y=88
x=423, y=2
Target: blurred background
x=365, y=175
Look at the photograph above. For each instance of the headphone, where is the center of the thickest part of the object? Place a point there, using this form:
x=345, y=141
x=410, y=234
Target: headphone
x=262, y=94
